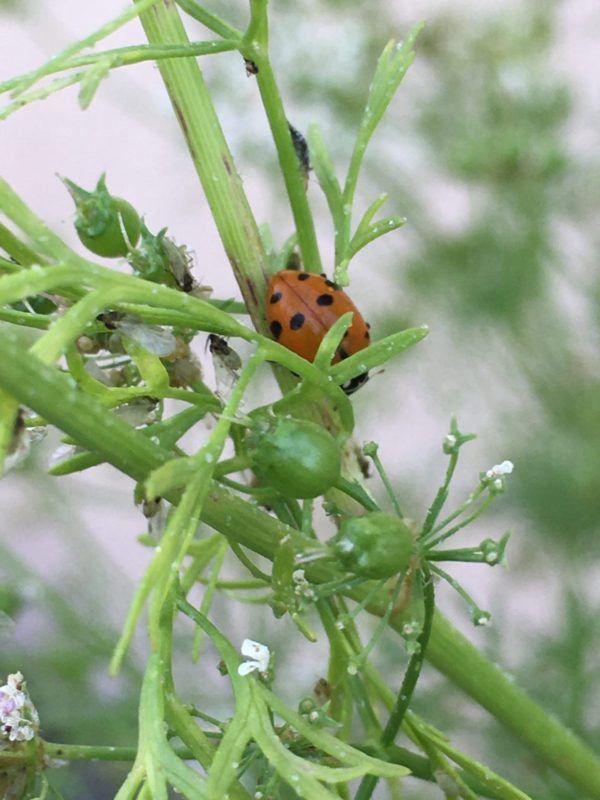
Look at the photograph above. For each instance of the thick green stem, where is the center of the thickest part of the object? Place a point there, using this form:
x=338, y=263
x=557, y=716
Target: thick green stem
x=496, y=691
x=212, y=160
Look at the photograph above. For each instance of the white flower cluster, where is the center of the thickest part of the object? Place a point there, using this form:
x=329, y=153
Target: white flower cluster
x=494, y=477
x=498, y=470
x=19, y=721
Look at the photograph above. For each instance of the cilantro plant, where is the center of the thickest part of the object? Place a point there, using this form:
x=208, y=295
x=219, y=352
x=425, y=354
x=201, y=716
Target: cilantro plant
x=113, y=347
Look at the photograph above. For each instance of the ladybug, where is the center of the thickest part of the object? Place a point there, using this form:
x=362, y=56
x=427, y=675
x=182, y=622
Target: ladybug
x=302, y=307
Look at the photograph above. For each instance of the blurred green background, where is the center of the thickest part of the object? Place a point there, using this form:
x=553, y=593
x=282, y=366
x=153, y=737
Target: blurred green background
x=490, y=152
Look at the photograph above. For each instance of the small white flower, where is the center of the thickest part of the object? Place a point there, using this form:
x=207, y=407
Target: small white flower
x=450, y=440
x=259, y=655
x=498, y=470
x=299, y=577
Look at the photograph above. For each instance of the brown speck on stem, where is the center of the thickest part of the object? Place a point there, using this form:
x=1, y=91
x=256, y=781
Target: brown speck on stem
x=252, y=290
x=228, y=165
x=177, y=109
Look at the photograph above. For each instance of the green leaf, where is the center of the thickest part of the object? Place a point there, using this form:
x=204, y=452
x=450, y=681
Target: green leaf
x=223, y=770
x=342, y=751
x=167, y=432
x=332, y=340
x=391, y=68
x=91, y=80
x=295, y=771
x=174, y=474
x=325, y=172
x=365, y=222
x=372, y=232
x=377, y=354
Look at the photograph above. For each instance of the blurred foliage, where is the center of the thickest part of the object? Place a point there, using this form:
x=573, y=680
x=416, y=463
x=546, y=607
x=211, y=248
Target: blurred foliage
x=64, y=644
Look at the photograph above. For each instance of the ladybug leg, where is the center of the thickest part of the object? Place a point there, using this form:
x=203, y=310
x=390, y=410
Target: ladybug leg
x=354, y=384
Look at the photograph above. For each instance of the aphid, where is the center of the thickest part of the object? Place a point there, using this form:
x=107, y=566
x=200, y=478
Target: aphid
x=151, y=337
x=301, y=148
x=302, y=307
x=226, y=361
x=251, y=67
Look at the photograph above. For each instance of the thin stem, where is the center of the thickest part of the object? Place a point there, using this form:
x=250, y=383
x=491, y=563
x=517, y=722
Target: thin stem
x=440, y=497
x=478, y=615
x=255, y=47
x=411, y=676
x=358, y=493
x=133, y=54
x=22, y=253
x=209, y=20
x=460, y=510
x=89, y=752
x=466, y=521
x=89, y=41
x=25, y=319
x=57, y=85
x=386, y=482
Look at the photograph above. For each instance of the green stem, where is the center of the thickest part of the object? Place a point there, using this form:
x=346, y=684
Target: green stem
x=466, y=521
x=358, y=493
x=255, y=47
x=90, y=752
x=14, y=247
x=212, y=160
x=468, y=502
x=89, y=41
x=386, y=482
x=440, y=497
x=24, y=318
x=496, y=691
x=409, y=683
x=209, y=20
x=134, y=54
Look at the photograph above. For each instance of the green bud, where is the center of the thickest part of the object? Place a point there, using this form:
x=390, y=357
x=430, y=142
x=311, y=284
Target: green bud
x=108, y=226
x=297, y=458
x=376, y=545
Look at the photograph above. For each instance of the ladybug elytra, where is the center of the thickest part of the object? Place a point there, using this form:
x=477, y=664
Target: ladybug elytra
x=302, y=307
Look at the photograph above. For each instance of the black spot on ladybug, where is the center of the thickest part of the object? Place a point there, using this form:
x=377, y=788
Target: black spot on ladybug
x=297, y=321
x=331, y=284
x=324, y=300
x=368, y=324
x=275, y=328
x=367, y=335
x=342, y=353
x=323, y=274
x=303, y=276
x=346, y=334
x=275, y=297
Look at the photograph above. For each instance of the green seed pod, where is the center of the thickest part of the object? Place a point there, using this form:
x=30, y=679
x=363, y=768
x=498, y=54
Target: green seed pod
x=298, y=458
x=376, y=545
x=108, y=226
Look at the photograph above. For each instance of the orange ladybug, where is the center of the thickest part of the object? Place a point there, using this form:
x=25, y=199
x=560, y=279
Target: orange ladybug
x=302, y=307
